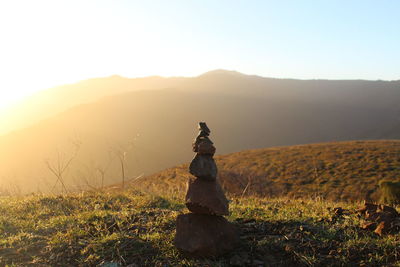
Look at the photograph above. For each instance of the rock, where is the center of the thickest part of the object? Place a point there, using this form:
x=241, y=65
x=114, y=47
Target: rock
x=367, y=208
x=203, y=166
x=200, y=138
x=380, y=217
x=203, y=146
x=202, y=135
x=372, y=216
x=368, y=226
x=206, y=197
x=203, y=128
x=206, y=148
x=386, y=209
x=382, y=228
x=204, y=235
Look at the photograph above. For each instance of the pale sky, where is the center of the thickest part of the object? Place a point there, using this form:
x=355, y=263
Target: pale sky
x=49, y=43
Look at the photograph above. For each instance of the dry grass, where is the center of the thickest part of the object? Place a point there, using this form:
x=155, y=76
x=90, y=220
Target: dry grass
x=122, y=228
x=335, y=171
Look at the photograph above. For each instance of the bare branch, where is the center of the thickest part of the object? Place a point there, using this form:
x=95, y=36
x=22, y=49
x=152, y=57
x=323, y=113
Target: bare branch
x=61, y=165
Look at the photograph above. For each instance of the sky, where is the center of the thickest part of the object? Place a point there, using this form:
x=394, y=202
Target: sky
x=45, y=43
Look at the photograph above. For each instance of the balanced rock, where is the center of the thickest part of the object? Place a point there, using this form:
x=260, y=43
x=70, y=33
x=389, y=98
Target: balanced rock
x=204, y=235
x=206, y=148
x=206, y=197
x=203, y=166
x=204, y=128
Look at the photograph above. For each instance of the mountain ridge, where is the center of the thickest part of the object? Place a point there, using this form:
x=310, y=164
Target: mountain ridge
x=37, y=107
x=243, y=113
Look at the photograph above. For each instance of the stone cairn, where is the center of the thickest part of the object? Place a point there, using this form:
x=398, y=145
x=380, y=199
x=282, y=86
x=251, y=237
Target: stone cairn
x=204, y=232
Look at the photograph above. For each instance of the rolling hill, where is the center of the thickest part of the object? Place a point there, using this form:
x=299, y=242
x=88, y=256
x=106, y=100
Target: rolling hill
x=336, y=171
x=154, y=128
x=48, y=103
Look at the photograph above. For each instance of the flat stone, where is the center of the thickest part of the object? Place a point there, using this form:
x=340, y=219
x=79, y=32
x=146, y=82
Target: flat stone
x=204, y=235
x=203, y=166
x=206, y=197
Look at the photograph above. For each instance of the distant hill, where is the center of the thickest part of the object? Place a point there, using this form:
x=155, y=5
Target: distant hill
x=156, y=127
x=336, y=171
x=48, y=103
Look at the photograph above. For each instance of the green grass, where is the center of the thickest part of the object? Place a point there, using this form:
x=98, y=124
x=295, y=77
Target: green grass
x=128, y=227
x=337, y=171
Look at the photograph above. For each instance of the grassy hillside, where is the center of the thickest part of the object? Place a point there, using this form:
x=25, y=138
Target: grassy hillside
x=243, y=112
x=337, y=171
x=129, y=227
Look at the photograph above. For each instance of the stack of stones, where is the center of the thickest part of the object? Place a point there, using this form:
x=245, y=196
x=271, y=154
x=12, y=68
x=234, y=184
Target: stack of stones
x=204, y=231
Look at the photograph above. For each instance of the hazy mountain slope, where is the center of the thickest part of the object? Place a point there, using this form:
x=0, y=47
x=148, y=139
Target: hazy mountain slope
x=48, y=103
x=337, y=171
x=243, y=112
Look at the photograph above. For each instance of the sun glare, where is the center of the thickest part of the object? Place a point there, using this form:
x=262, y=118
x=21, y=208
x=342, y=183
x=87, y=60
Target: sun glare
x=42, y=49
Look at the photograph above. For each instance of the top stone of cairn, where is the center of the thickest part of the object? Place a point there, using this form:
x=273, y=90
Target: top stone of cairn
x=202, y=144
x=203, y=165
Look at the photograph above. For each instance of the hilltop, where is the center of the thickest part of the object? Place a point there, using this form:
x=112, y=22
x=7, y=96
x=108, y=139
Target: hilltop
x=337, y=171
x=48, y=103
